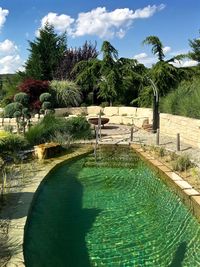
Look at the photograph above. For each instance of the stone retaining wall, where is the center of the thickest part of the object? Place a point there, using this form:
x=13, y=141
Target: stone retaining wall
x=188, y=128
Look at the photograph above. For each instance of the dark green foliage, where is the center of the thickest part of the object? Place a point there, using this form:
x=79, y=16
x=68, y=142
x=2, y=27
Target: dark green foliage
x=165, y=76
x=87, y=75
x=22, y=98
x=50, y=126
x=157, y=46
x=110, y=54
x=11, y=108
x=8, y=87
x=12, y=143
x=195, y=45
x=110, y=76
x=19, y=111
x=184, y=101
x=46, y=53
x=132, y=81
x=45, y=97
x=46, y=105
x=78, y=128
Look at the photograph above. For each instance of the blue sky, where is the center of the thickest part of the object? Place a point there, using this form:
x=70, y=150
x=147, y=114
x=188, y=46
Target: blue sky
x=124, y=23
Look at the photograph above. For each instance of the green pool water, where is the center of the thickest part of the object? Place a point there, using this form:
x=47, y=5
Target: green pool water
x=112, y=211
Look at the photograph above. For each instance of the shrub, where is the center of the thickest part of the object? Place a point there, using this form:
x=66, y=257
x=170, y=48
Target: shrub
x=34, y=88
x=161, y=152
x=184, y=101
x=22, y=98
x=50, y=126
x=45, y=97
x=11, y=108
x=11, y=142
x=182, y=163
x=61, y=138
x=78, y=128
x=66, y=93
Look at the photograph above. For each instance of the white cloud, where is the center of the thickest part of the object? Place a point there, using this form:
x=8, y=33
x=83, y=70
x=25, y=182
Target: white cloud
x=140, y=56
x=166, y=49
x=61, y=22
x=121, y=33
x=145, y=59
x=7, y=47
x=178, y=52
x=99, y=21
x=3, y=14
x=147, y=11
x=10, y=63
x=106, y=24
x=184, y=63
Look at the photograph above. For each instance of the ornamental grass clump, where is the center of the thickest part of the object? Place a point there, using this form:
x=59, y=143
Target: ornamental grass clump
x=11, y=142
x=182, y=163
x=51, y=126
x=66, y=93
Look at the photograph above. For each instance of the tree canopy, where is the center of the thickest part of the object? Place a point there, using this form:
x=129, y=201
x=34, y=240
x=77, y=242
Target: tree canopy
x=195, y=53
x=157, y=46
x=46, y=53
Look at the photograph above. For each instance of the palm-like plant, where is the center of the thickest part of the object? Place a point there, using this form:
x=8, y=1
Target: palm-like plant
x=157, y=46
x=195, y=45
x=67, y=93
x=109, y=53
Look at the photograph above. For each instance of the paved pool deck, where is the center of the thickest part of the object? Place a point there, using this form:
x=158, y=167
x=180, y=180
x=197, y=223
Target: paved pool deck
x=119, y=134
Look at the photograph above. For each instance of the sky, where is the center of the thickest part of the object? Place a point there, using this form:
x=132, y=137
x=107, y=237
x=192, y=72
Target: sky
x=124, y=23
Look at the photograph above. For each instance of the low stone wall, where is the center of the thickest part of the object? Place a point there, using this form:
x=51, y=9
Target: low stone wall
x=188, y=128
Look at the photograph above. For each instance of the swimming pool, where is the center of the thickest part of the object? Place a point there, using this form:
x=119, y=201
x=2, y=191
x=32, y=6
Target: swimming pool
x=109, y=211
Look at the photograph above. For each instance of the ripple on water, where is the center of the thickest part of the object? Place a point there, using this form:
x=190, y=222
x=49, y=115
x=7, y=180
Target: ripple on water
x=140, y=221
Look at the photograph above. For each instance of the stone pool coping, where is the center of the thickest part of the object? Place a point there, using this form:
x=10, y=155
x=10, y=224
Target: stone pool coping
x=189, y=195
x=16, y=226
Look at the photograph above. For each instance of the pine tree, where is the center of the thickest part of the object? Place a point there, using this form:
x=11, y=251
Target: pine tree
x=46, y=53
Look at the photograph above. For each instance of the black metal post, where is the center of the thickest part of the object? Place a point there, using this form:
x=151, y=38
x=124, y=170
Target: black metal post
x=155, y=114
x=157, y=137
x=131, y=134
x=178, y=143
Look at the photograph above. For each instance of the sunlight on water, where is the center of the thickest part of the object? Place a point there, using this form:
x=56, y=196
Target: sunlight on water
x=110, y=212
